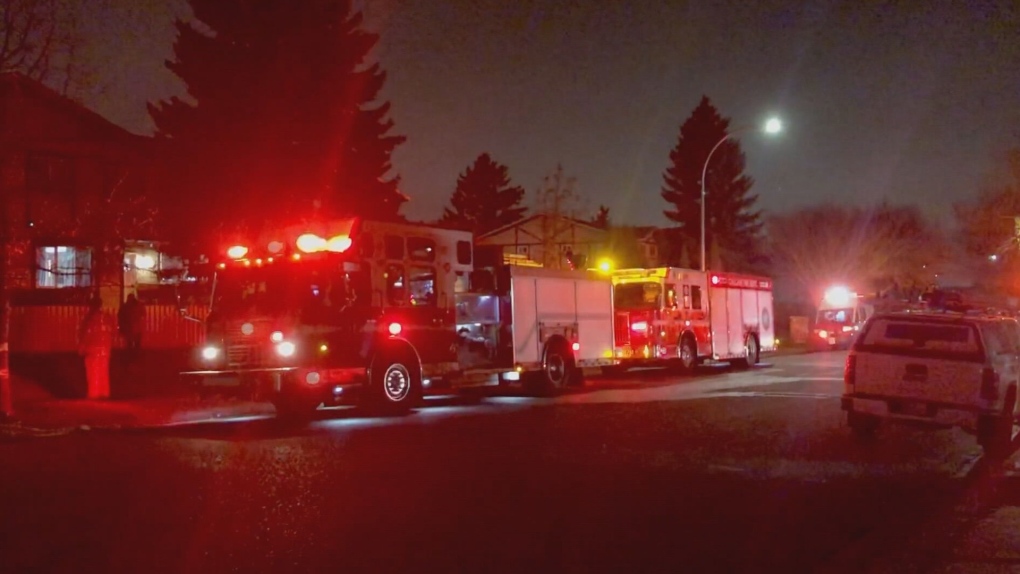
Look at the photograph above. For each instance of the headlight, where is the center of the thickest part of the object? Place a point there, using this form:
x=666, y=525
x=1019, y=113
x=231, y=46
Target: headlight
x=210, y=353
x=286, y=349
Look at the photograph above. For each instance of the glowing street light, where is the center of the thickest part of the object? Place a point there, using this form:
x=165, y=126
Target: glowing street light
x=772, y=126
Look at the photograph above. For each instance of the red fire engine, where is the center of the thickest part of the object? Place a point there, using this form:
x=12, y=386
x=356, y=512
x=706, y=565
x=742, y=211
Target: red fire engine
x=389, y=311
x=682, y=316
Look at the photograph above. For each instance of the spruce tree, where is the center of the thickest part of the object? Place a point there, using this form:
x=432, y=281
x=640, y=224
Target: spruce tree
x=484, y=198
x=733, y=227
x=284, y=122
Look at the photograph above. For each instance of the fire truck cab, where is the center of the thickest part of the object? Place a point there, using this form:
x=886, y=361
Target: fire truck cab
x=841, y=314
x=684, y=317
x=387, y=312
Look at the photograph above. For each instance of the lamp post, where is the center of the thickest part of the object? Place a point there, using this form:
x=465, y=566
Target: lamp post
x=772, y=126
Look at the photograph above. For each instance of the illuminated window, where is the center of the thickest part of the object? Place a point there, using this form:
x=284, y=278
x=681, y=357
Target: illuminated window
x=671, y=296
x=60, y=267
x=422, y=286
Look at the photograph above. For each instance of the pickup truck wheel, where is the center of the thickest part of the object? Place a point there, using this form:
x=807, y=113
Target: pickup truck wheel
x=862, y=425
x=995, y=433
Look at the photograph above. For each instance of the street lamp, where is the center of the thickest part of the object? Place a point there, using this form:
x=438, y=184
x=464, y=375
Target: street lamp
x=772, y=126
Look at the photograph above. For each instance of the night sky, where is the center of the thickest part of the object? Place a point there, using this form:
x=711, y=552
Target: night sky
x=880, y=99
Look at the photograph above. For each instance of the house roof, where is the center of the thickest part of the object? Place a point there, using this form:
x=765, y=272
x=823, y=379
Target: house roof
x=533, y=217
x=14, y=84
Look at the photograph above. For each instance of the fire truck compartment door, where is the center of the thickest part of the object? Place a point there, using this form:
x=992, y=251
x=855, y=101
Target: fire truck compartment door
x=552, y=301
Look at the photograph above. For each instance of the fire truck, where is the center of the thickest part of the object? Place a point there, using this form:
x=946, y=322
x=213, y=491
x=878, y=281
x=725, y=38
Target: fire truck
x=388, y=312
x=685, y=317
x=840, y=316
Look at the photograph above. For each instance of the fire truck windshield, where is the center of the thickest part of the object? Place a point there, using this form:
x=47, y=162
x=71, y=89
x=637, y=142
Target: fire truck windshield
x=297, y=288
x=642, y=295
x=842, y=316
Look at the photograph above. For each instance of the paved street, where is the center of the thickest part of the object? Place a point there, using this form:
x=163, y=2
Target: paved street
x=723, y=471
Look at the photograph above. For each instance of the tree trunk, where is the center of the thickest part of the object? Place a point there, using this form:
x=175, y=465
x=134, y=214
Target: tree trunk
x=6, y=398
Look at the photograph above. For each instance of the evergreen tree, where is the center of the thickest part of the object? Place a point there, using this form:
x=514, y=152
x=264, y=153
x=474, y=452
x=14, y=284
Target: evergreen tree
x=284, y=124
x=733, y=227
x=484, y=199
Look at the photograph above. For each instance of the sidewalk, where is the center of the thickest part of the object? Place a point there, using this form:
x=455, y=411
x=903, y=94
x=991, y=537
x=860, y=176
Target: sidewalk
x=990, y=541
x=37, y=413
x=980, y=534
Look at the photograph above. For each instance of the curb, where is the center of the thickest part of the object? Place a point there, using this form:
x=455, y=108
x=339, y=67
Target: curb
x=16, y=430
x=23, y=430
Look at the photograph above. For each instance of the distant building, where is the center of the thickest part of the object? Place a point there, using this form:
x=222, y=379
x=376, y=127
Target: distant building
x=65, y=174
x=73, y=189
x=549, y=241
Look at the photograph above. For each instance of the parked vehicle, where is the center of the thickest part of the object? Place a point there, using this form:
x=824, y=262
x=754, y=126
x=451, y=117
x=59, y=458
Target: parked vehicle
x=684, y=317
x=390, y=311
x=937, y=369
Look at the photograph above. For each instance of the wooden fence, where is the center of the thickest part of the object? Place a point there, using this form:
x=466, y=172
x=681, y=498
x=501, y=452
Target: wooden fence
x=54, y=329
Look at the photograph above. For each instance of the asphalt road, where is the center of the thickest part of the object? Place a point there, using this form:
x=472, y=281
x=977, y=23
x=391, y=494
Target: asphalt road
x=725, y=471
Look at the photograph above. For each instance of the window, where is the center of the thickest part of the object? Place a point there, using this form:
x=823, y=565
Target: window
x=366, y=245
x=640, y=295
x=421, y=249
x=687, y=296
x=422, y=285
x=464, y=252
x=671, y=296
x=48, y=174
x=61, y=267
x=394, y=247
x=695, y=296
x=395, y=287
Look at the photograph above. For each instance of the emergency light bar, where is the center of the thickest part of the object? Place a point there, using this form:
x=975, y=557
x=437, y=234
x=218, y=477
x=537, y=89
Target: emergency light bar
x=311, y=243
x=307, y=243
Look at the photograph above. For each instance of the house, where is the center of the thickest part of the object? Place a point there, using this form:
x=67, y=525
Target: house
x=550, y=241
x=73, y=190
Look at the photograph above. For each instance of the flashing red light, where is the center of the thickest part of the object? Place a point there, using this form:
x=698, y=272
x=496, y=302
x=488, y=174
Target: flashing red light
x=222, y=265
x=395, y=329
x=275, y=246
x=576, y=346
x=339, y=244
x=237, y=252
x=715, y=280
x=310, y=243
x=296, y=256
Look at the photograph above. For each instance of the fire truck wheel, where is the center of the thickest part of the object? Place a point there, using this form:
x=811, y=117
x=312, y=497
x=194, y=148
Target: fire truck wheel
x=558, y=370
x=687, y=353
x=395, y=385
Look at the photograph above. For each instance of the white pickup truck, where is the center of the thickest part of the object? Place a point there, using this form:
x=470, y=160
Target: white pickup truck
x=935, y=369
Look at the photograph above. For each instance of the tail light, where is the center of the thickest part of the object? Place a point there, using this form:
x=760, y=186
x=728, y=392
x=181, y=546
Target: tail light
x=989, y=384
x=850, y=372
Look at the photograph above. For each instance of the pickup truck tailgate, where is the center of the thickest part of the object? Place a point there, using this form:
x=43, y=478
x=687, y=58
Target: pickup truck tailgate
x=938, y=362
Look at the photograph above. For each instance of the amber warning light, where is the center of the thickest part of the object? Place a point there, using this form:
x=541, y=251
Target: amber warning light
x=311, y=243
